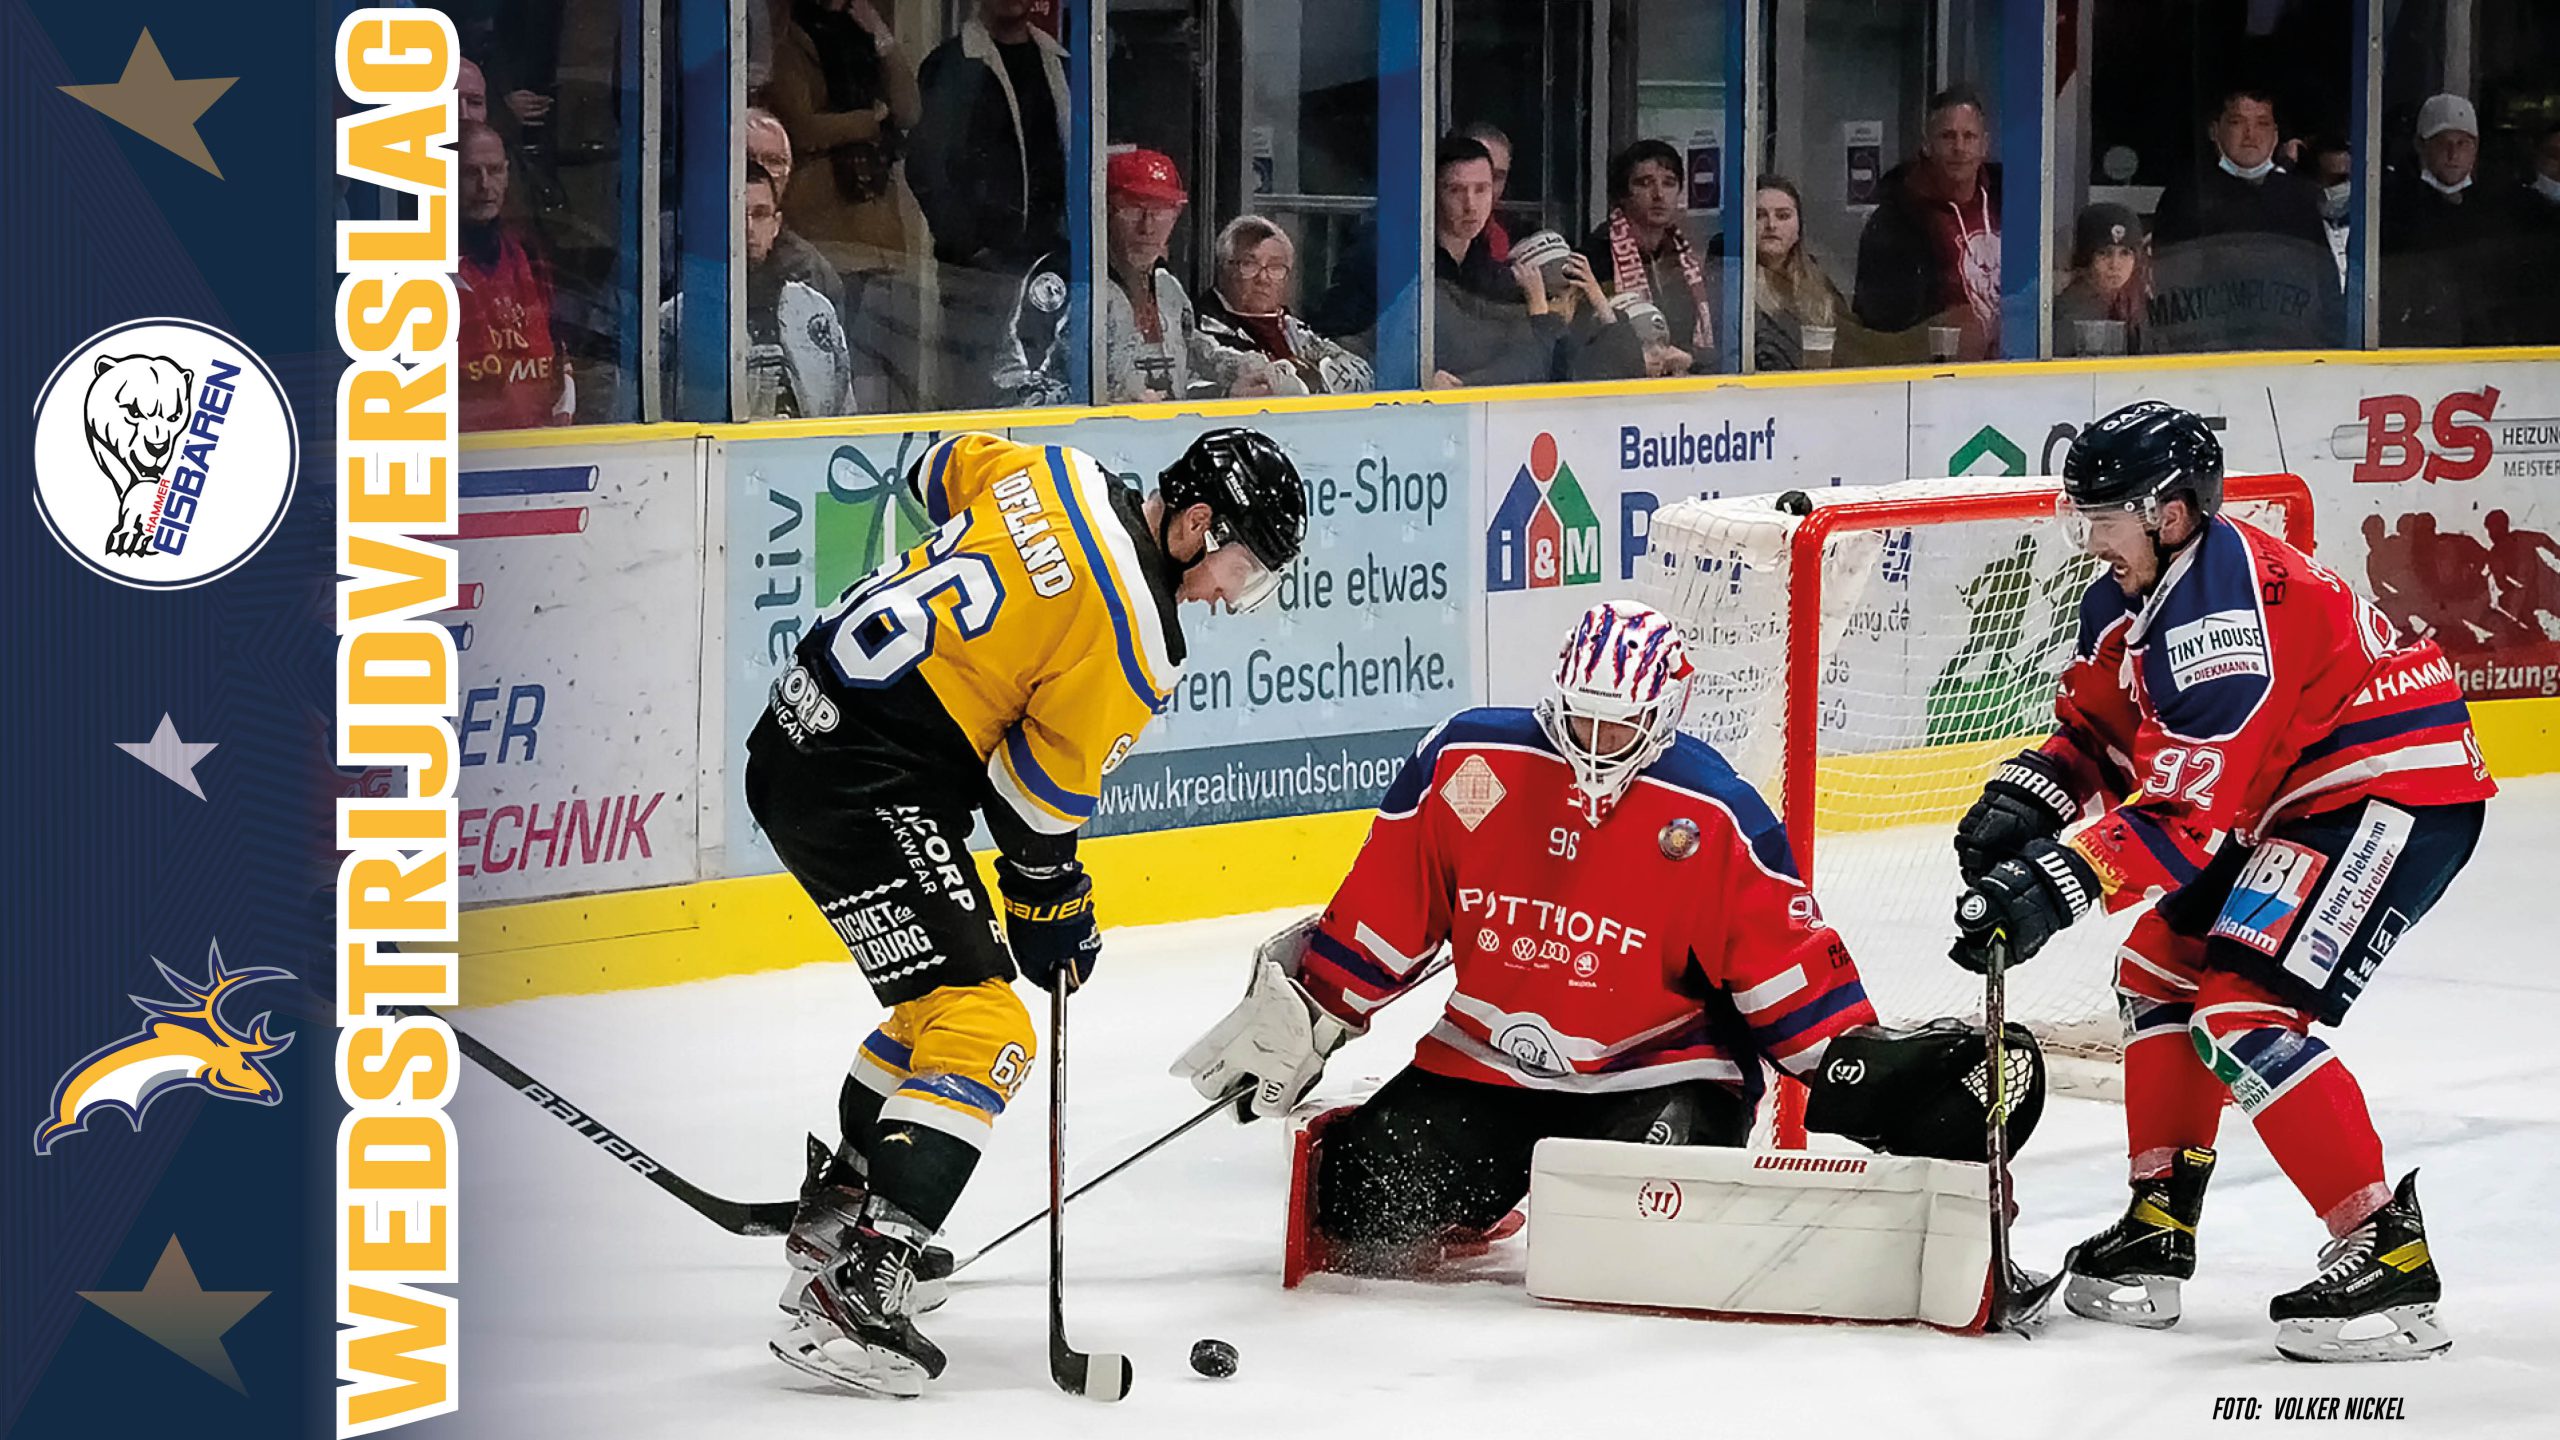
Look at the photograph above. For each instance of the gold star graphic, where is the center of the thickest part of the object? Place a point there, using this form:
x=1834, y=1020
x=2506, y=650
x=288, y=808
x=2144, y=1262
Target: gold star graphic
x=157, y=105
x=174, y=1310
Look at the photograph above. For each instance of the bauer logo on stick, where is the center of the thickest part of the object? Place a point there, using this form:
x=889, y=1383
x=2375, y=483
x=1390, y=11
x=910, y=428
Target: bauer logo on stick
x=165, y=454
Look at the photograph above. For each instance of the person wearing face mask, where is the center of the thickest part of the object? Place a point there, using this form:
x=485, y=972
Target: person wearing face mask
x=2537, y=231
x=2110, y=278
x=2333, y=167
x=2443, y=239
x=2244, y=190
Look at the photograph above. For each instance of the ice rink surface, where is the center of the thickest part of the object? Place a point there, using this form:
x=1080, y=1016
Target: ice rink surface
x=597, y=1306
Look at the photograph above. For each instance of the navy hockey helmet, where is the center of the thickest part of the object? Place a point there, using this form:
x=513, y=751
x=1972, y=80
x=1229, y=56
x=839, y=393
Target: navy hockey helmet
x=2141, y=457
x=1254, y=495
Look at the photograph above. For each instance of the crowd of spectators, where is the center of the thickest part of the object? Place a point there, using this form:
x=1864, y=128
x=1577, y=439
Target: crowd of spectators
x=906, y=247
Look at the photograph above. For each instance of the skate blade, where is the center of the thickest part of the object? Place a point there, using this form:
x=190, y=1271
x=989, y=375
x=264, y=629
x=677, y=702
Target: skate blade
x=829, y=1355
x=924, y=1297
x=2116, y=1303
x=2413, y=1333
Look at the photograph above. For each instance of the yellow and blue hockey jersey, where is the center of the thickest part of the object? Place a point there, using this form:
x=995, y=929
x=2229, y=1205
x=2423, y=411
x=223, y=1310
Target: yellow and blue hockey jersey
x=1037, y=622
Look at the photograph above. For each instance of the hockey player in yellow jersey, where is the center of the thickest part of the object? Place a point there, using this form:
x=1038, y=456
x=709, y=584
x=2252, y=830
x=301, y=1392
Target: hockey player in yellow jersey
x=1002, y=666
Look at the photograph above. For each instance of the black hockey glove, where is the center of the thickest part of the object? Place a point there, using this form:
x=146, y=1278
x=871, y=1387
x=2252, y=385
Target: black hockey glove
x=1048, y=916
x=2025, y=799
x=2021, y=903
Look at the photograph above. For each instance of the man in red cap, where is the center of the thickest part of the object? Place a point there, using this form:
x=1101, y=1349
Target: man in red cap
x=1153, y=348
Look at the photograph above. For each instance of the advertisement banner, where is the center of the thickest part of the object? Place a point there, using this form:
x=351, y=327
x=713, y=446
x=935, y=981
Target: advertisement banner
x=1305, y=706
x=806, y=518
x=579, y=629
x=2434, y=488
x=1310, y=703
x=1567, y=490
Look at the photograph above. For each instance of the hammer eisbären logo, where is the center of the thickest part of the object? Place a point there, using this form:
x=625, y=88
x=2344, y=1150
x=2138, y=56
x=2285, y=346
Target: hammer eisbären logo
x=165, y=453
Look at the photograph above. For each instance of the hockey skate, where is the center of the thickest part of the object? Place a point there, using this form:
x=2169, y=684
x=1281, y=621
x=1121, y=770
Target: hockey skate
x=830, y=1207
x=852, y=1320
x=2150, y=1250
x=2377, y=1281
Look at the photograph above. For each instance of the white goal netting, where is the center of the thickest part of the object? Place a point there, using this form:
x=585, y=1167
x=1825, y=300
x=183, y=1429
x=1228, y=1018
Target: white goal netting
x=1944, y=611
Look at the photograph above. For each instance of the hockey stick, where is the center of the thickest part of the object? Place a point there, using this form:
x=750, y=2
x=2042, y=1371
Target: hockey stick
x=1151, y=1147
x=2018, y=1299
x=772, y=1217
x=1100, y=1375
x=1245, y=1116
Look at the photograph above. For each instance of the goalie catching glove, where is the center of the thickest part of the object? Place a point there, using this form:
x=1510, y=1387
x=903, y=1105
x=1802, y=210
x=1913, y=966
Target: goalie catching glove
x=2025, y=800
x=1276, y=1040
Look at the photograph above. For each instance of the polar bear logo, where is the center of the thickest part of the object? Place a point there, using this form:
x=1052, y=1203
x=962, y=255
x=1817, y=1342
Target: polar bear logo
x=137, y=409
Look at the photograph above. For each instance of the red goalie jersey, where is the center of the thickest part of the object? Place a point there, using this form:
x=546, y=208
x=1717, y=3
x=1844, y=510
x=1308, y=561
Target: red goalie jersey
x=2251, y=685
x=1672, y=942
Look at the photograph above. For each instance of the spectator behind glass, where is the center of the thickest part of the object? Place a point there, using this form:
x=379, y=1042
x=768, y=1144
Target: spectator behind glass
x=1497, y=145
x=1642, y=249
x=2244, y=191
x=2110, y=279
x=2441, y=239
x=1930, y=254
x=1248, y=311
x=1152, y=345
x=796, y=360
x=2537, y=238
x=989, y=166
x=471, y=93
x=514, y=375
x=2333, y=167
x=1794, y=292
x=794, y=258
x=1491, y=324
x=843, y=91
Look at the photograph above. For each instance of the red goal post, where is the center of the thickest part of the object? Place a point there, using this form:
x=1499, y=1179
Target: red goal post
x=1707, y=564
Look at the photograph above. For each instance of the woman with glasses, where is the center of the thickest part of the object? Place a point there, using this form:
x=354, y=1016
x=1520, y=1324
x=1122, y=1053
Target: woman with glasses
x=1248, y=311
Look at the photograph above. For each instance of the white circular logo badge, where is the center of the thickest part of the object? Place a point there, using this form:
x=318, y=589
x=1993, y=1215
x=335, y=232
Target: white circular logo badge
x=165, y=454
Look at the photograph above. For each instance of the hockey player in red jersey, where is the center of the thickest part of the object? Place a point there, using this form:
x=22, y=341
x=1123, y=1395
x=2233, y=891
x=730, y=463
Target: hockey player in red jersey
x=1629, y=936
x=2294, y=782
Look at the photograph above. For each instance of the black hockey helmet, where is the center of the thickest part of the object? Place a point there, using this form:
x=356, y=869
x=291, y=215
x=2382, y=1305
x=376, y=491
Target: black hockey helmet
x=2142, y=456
x=1253, y=492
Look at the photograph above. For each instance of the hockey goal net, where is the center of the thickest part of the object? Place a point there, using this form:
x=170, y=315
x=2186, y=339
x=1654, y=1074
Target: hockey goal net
x=1867, y=654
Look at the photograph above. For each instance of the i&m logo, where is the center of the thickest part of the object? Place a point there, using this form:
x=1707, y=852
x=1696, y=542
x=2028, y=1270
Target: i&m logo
x=1543, y=534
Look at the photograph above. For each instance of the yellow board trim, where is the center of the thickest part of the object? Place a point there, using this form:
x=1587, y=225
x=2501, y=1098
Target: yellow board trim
x=714, y=928
x=848, y=425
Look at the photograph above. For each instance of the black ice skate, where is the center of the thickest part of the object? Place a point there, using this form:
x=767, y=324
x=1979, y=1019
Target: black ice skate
x=830, y=1207
x=853, y=1322
x=2149, y=1251
x=2375, y=1298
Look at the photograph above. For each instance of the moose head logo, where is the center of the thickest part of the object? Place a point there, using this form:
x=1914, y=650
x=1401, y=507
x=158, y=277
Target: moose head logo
x=184, y=1044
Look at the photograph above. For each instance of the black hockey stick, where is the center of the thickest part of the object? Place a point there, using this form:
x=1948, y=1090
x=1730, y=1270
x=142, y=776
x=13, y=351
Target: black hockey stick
x=772, y=1217
x=1099, y=1375
x=1151, y=1147
x=1232, y=1097
x=2018, y=1298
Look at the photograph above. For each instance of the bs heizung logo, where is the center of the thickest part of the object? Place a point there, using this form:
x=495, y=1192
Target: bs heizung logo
x=1544, y=533
x=165, y=454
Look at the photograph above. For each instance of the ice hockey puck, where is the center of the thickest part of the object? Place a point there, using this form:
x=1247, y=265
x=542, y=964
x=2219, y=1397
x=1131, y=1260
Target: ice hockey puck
x=1213, y=1358
x=1795, y=502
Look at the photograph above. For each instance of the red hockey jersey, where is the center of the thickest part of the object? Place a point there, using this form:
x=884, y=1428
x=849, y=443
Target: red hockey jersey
x=2250, y=686
x=1673, y=942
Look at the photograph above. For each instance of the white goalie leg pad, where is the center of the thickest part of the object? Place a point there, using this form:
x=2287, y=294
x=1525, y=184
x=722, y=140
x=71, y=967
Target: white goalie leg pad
x=1760, y=1232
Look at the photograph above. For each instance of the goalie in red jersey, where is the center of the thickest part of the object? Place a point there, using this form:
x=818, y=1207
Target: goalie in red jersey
x=2294, y=783
x=1631, y=941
